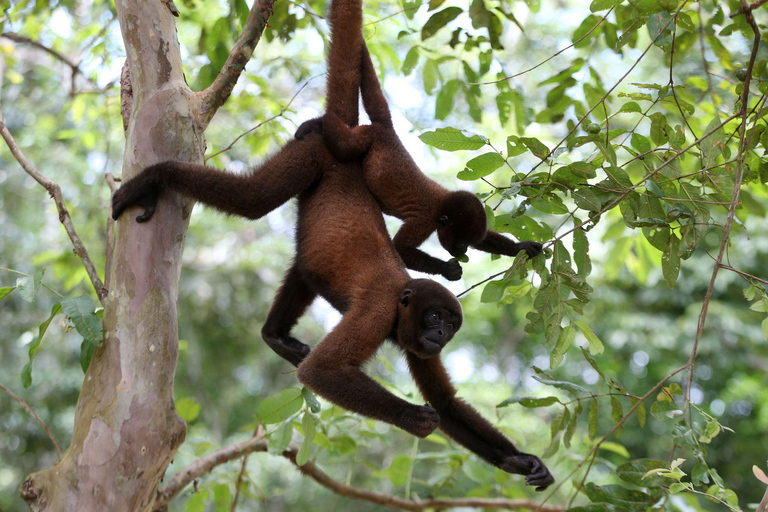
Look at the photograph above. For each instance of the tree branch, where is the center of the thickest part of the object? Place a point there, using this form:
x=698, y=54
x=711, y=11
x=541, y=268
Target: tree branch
x=18, y=38
x=55, y=192
x=35, y=416
x=217, y=93
x=257, y=444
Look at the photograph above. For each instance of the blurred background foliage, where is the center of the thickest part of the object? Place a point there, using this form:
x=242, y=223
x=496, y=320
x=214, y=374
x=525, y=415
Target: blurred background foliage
x=432, y=57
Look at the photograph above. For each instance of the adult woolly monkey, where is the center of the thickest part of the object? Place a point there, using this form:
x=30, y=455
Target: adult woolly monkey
x=344, y=254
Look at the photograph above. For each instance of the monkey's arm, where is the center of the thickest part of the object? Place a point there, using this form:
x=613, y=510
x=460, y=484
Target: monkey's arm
x=496, y=243
x=284, y=175
x=411, y=235
x=332, y=370
x=468, y=428
x=374, y=102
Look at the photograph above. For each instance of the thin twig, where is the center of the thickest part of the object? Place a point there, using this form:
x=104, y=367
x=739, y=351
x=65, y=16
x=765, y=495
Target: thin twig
x=550, y=57
x=35, y=416
x=55, y=192
x=218, y=92
x=742, y=274
x=258, y=433
x=209, y=462
x=18, y=38
x=279, y=114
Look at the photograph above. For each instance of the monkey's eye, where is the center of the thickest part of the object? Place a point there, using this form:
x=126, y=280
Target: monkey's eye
x=451, y=327
x=436, y=316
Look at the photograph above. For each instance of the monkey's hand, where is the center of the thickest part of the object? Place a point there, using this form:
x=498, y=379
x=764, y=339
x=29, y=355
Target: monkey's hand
x=140, y=191
x=312, y=126
x=532, y=248
x=451, y=270
x=536, y=473
x=420, y=421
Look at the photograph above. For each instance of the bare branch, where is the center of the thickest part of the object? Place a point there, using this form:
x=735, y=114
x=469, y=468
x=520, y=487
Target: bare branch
x=259, y=432
x=55, y=192
x=734, y=201
x=18, y=38
x=748, y=8
x=35, y=416
x=214, y=96
x=257, y=444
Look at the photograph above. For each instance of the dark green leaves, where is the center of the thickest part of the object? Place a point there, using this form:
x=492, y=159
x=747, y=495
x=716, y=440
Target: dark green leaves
x=26, y=372
x=81, y=311
x=438, y=21
x=530, y=402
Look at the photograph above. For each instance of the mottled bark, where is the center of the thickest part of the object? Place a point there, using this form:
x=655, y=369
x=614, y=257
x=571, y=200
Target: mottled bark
x=126, y=428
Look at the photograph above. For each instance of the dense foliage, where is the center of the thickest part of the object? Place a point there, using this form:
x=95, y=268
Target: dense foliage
x=628, y=135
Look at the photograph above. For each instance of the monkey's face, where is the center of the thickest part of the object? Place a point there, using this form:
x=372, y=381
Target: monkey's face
x=462, y=222
x=428, y=317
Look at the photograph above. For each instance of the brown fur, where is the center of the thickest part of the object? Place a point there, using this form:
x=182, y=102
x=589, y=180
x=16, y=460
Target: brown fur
x=402, y=190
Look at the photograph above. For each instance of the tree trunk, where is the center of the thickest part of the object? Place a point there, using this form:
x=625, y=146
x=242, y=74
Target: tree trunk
x=126, y=428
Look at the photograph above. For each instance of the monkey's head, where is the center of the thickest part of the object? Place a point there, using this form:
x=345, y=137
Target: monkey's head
x=428, y=316
x=461, y=222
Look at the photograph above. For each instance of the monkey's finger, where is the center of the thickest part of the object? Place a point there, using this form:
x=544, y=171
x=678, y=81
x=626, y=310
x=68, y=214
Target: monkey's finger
x=148, y=213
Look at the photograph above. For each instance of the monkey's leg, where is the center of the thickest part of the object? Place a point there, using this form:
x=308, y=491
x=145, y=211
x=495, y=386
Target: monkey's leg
x=333, y=370
x=292, y=299
x=467, y=427
x=344, y=142
x=407, y=240
x=282, y=176
x=496, y=243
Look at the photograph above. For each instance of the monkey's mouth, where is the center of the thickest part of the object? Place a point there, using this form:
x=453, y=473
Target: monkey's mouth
x=429, y=348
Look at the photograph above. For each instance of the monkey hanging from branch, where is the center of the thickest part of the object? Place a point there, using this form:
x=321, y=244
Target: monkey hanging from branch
x=344, y=254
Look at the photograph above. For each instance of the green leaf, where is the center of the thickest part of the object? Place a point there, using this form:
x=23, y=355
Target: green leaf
x=222, y=497
x=581, y=253
x=444, y=103
x=678, y=487
x=279, y=407
x=81, y=311
x=529, y=401
x=451, y=139
x=86, y=354
x=5, y=290
x=535, y=146
x=493, y=291
x=593, y=410
x=310, y=400
x=595, y=345
x=439, y=20
x=26, y=372
x=570, y=387
x=197, y=502
x=481, y=166
x=616, y=448
x=280, y=439
x=564, y=342
x=29, y=285
x=617, y=413
x=639, y=412
x=659, y=129
x=411, y=60
x=670, y=261
x=712, y=146
x=710, y=432
x=398, y=471
x=523, y=228
x=640, y=143
x=601, y=5
x=586, y=199
x=477, y=472
x=634, y=472
x=635, y=501
x=308, y=425
x=188, y=409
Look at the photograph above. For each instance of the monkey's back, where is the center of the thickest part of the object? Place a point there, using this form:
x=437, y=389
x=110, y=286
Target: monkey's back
x=395, y=180
x=341, y=239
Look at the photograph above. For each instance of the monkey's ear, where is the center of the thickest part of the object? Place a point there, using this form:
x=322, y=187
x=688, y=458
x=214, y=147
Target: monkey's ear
x=443, y=220
x=405, y=297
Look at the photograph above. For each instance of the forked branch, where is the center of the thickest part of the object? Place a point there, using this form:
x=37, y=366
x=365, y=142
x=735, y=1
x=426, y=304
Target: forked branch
x=55, y=192
x=310, y=469
x=214, y=96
